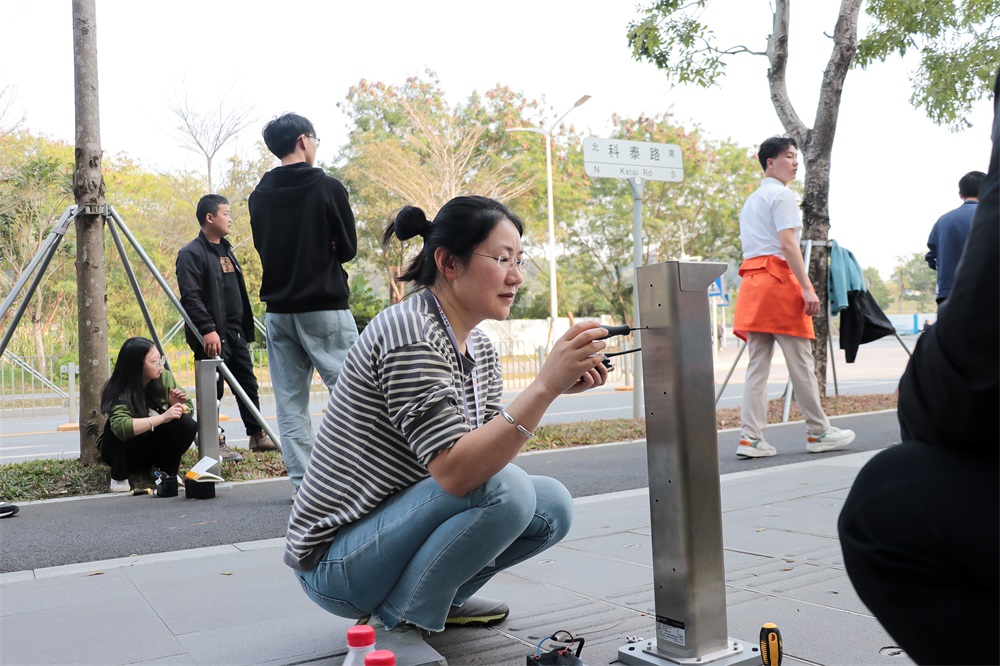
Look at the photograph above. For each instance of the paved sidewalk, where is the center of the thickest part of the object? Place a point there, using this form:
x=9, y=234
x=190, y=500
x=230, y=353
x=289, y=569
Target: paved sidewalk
x=239, y=604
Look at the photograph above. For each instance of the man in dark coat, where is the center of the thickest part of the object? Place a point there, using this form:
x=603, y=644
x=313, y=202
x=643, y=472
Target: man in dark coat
x=214, y=295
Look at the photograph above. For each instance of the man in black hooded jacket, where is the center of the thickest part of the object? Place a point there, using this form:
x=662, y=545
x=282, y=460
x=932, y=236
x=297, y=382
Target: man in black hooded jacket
x=303, y=229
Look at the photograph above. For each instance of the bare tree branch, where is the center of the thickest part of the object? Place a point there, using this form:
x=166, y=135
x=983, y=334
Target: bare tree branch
x=206, y=132
x=8, y=122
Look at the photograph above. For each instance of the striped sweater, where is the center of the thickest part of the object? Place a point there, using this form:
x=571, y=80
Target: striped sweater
x=400, y=399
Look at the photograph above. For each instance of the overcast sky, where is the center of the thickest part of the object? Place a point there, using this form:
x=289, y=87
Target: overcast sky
x=894, y=172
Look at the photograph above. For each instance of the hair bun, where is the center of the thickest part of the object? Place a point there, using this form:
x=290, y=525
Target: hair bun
x=411, y=221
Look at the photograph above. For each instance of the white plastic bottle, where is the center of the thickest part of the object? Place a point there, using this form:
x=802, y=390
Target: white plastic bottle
x=360, y=642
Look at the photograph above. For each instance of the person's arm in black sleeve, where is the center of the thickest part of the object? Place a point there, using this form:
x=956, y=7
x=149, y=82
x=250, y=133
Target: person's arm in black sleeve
x=189, y=281
x=347, y=234
x=951, y=388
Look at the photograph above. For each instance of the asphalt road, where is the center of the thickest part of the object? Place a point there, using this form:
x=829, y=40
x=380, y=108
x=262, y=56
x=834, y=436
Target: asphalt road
x=87, y=529
x=879, y=366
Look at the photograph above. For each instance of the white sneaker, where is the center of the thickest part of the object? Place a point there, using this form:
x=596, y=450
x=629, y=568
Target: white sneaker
x=750, y=447
x=120, y=486
x=833, y=438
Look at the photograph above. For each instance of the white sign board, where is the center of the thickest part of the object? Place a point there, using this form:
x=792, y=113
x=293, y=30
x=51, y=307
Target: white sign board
x=617, y=158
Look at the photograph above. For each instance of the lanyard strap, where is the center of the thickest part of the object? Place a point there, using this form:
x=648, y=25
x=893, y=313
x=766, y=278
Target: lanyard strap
x=458, y=354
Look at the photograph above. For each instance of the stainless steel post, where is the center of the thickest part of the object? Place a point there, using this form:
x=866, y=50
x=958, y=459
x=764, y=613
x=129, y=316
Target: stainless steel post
x=207, y=406
x=685, y=499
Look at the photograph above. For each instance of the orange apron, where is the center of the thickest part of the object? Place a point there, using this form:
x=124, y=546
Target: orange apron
x=770, y=300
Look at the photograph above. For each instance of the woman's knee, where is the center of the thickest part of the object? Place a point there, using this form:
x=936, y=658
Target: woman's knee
x=554, y=504
x=511, y=488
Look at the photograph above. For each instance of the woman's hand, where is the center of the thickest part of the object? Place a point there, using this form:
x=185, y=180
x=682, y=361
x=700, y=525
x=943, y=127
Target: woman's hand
x=596, y=376
x=175, y=412
x=176, y=396
x=574, y=364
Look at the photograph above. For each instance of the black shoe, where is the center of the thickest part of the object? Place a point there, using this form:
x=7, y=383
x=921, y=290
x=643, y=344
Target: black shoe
x=7, y=509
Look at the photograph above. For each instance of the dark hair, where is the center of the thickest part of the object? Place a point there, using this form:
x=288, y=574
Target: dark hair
x=773, y=147
x=209, y=205
x=126, y=380
x=968, y=186
x=281, y=133
x=460, y=225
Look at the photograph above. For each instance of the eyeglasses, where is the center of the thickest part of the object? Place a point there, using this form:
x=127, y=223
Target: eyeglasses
x=313, y=137
x=159, y=362
x=508, y=263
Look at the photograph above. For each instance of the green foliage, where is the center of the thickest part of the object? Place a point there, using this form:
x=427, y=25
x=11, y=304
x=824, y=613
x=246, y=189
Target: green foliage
x=959, y=46
x=915, y=280
x=409, y=147
x=878, y=288
x=365, y=304
x=671, y=37
x=958, y=42
x=696, y=217
x=35, y=190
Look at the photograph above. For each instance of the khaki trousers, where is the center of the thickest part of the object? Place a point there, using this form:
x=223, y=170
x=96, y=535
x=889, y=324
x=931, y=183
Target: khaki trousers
x=801, y=370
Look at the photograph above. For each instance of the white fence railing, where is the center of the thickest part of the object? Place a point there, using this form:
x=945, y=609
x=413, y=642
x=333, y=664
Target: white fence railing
x=32, y=386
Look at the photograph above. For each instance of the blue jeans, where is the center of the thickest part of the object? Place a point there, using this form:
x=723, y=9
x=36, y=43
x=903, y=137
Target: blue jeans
x=423, y=551
x=298, y=344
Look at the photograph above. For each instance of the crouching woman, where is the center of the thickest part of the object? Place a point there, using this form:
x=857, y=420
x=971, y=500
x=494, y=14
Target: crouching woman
x=410, y=504
x=149, y=423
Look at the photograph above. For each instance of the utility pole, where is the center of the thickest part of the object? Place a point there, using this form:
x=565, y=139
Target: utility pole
x=88, y=188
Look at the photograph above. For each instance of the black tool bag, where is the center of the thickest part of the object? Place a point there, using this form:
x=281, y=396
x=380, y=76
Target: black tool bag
x=560, y=654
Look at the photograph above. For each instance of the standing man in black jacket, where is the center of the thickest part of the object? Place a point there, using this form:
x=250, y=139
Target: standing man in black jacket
x=303, y=229
x=214, y=295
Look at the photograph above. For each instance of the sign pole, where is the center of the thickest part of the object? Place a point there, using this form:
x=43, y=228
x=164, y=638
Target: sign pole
x=636, y=184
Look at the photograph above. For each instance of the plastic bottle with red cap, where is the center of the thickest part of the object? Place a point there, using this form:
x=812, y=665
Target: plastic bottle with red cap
x=380, y=658
x=360, y=643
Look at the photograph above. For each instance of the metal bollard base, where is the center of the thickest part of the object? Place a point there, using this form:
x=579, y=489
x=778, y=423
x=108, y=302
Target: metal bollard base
x=644, y=652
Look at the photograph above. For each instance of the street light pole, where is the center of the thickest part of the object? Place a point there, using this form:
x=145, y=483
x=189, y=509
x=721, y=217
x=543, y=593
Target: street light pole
x=553, y=300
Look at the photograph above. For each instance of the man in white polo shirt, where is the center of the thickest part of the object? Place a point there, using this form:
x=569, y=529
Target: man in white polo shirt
x=776, y=303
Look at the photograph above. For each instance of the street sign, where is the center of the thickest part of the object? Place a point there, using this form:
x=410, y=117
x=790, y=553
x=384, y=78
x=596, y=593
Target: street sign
x=617, y=158
x=715, y=289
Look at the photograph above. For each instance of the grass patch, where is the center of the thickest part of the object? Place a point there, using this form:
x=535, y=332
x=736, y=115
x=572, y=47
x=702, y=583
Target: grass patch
x=47, y=479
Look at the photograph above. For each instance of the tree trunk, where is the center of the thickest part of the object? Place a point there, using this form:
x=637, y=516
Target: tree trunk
x=816, y=145
x=88, y=187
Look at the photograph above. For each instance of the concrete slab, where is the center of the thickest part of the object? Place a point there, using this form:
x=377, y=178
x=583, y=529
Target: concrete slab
x=97, y=632
x=239, y=604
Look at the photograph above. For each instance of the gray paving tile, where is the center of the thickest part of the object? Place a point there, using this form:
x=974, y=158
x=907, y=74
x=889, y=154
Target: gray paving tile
x=127, y=631
x=815, y=634
x=585, y=573
x=781, y=543
x=627, y=546
x=86, y=592
x=792, y=516
x=221, y=592
x=272, y=639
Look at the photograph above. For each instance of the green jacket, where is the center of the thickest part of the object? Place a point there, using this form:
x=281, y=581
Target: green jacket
x=121, y=419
